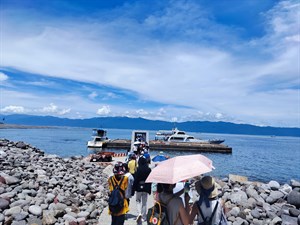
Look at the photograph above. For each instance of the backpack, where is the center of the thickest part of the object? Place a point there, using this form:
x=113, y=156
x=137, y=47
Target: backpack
x=116, y=198
x=158, y=214
x=207, y=220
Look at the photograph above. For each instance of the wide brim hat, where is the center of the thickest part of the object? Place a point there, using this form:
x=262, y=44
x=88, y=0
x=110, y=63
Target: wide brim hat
x=207, y=183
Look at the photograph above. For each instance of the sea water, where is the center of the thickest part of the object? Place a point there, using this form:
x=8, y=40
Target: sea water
x=260, y=158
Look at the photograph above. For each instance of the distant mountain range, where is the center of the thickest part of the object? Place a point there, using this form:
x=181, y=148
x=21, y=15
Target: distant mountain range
x=140, y=123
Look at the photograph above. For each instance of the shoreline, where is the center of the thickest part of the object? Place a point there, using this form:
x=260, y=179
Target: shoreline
x=16, y=126
x=47, y=189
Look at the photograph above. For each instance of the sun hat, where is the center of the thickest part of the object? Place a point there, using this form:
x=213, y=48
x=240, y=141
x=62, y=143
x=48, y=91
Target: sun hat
x=207, y=186
x=119, y=168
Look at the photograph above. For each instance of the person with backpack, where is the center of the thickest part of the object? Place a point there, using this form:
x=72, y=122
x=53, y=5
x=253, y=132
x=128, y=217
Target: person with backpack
x=176, y=212
x=132, y=163
x=117, y=202
x=129, y=190
x=209, y=208
x=142, y=189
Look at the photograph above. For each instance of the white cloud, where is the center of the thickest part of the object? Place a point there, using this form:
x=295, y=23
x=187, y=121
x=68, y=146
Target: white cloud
x=53, y=109
x=104, y=110
x=142, y=112
x=13, y=109
x=3, y=77
x=219, y=116
x=64, y=112
x=249, y=84
x=93, y=95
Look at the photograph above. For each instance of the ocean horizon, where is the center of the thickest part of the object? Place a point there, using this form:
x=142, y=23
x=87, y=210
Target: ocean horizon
x=260, y=158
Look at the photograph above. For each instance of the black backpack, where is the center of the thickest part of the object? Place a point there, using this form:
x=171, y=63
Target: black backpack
x=116, y=198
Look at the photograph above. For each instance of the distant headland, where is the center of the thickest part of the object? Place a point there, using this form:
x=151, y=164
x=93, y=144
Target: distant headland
x=139, y=123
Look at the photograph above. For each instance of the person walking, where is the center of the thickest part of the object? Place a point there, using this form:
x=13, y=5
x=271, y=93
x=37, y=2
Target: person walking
x=129, y=190
x=178, y=214
x=118, y=180
x=142, y=189
x=132, y=163
x=209, y=208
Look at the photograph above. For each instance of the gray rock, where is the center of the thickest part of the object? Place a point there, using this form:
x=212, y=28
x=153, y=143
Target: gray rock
x=21, y=145
x=1, y=217
x=48, y=218
x=84, y=214
x=35, y=210
x=3, y=203
x=294, y=212
x=69, y=218
x=20, y=216
x=8, y=194
x=286, y=189
x=293, y=198
x=255, y=213
x=58, y=206
x=274, y=185
x=238, y=197
x=234, y=211
x=295, y=183
x=276, y=220
x=253, y=193
x=94, y=214
x=2, y=154
x=34, y=221
x=271, y=215
x=288, y=220
x=82, y=186
x=20, y=203
x=274, y=196
x=22, y=222
x=50, y=197
x=13, y=210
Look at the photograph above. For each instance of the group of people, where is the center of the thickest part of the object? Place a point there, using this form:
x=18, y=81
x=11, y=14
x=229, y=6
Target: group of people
x=131, y=176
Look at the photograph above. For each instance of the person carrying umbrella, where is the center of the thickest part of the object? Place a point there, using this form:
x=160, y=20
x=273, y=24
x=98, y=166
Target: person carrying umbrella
x=209, y=208
x=178, y=214
x=174, y=170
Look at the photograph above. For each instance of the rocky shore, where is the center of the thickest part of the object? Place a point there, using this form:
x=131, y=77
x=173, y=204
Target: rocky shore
x=36, y=188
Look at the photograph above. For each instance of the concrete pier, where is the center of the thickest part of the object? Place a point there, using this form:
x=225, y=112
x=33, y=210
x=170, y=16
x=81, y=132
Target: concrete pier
x=173, y=146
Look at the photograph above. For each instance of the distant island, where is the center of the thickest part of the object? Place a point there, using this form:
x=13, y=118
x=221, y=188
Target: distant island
x=23, y=121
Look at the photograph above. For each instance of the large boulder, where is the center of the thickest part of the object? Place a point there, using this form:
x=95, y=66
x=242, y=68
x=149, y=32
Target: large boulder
x=295, y=183
x=293, y=198
x=4, y=204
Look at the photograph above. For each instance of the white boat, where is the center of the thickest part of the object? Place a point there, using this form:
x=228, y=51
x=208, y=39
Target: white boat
x=99, y=139
x=180, y=136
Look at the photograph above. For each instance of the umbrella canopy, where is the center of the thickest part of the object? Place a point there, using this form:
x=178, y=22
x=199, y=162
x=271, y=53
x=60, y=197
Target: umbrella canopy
x=180, y=168
x=159, y=158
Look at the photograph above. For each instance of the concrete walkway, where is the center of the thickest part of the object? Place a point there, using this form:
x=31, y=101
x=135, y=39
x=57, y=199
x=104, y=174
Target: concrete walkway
x=105, y=218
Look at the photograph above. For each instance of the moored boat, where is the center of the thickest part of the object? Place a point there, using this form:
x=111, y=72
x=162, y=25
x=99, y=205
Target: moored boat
x=99, y=139
x=180, y=136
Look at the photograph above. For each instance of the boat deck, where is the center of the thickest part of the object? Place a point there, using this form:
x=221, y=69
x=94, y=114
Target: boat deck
x=173, y=146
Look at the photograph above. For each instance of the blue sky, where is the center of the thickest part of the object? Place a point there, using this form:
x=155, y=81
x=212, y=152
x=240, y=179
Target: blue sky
x=235, y=61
